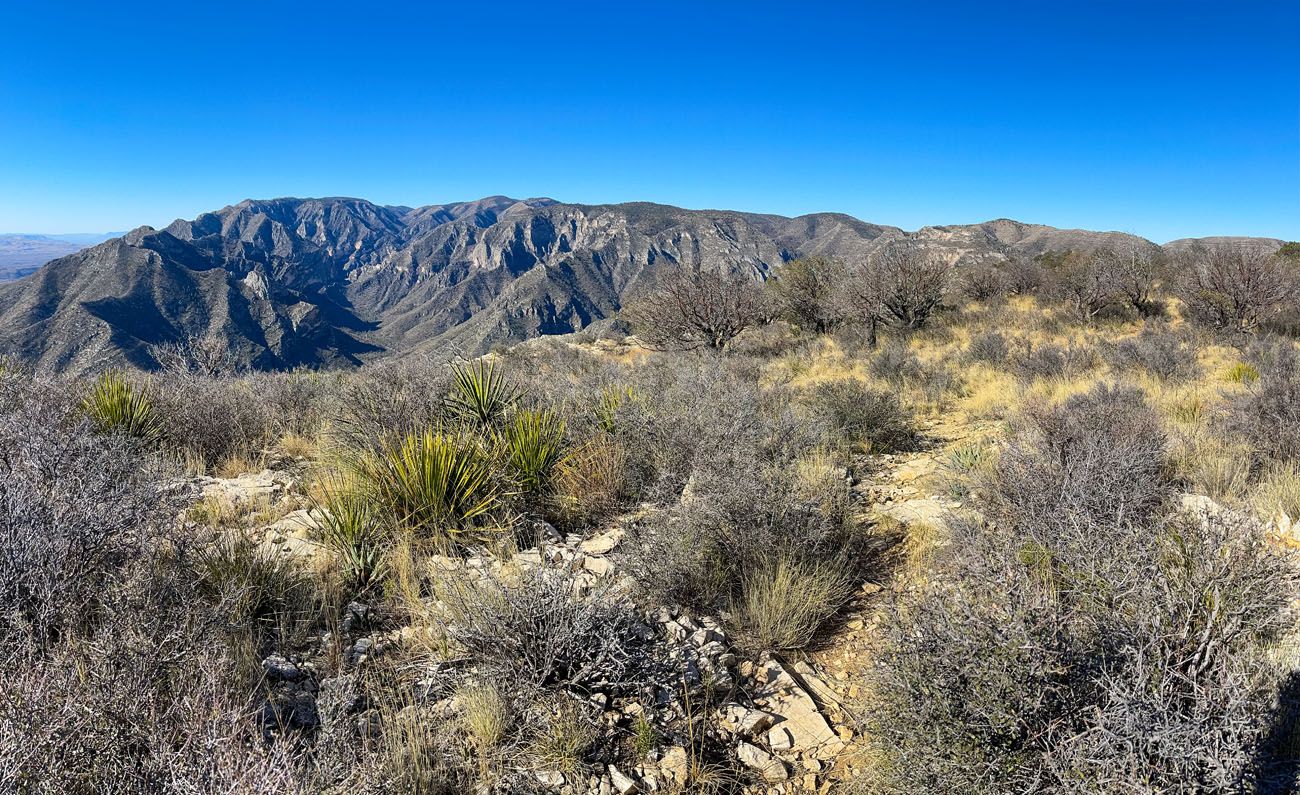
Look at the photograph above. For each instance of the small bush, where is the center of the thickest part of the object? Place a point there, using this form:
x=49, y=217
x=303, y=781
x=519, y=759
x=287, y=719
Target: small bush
x=1096, y=459
x=857, y=416
x=895, y=363
x=261, y=589
x=390, y=400
x=590, y=483
x=1267, y=416
x=536, y=631
x=1054, y=361
x=115, y=405
x=213, y=420
x=1159, y=353
x=1278, y=491
x=352, y=529
x=989, y=348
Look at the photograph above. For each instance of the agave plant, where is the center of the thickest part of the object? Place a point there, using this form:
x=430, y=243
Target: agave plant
x=480, y=394
x=115, y=405
x=534, y=443
x=434, y=483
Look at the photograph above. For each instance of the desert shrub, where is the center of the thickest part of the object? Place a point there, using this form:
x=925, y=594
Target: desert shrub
x=75, y=510
x=1051, y=651
x=439, y=484
x=390, y=400
x=1030, y=666
x=989, y=348
x=299, y=403
x=481, y=395
x=1156, y=352
x=1236, y=288
x=857, y=416
x=688, y=308
x=213, y=420
x=537, y=631
x=1027, y=276
x=895, y=363
x=562, y=737
x=116, y=405
x=806, y=291
x=534, y=442
x=1053, y=361
x=731, y=530
x=1098, y=458
x=1267, y=415
x=983, y=282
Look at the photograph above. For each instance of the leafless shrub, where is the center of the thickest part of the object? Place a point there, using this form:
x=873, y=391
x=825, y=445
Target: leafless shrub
x=213, y=419
x=806, y=291
x=1267, y=415
x=1053, y=361
x=1235, y=288
x=537, y=631
x=1089, y=282
x=901, y=284
x=1026, y=276
x=983, y=282
x=1157, y=352
x=1082, y=642
x=1099, y=458
x=75, y=509
x=989, y=348
x=689, y=309
x=895, y=363
x=391, y=400
x=1136, y=269
x=857, y=416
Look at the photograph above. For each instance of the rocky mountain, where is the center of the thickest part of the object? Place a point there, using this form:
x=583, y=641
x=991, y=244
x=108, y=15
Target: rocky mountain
x=333, y=282
x=21, y=255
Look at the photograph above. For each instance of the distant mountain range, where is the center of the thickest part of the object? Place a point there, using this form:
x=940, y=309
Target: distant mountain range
x=336, y=281
x=21, y=255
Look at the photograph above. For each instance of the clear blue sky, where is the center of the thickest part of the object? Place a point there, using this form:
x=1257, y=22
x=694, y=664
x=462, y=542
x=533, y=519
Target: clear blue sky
x=1167, y=119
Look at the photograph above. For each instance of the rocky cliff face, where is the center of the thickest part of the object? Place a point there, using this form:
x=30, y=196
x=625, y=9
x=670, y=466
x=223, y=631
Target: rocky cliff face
x=326, y=282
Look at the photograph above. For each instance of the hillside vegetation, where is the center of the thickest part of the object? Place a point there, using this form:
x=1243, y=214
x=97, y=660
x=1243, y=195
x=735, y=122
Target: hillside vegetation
x=881, y=525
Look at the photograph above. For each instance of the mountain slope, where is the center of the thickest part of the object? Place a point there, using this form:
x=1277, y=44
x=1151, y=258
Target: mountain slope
x=333, y=282
x=21, y=255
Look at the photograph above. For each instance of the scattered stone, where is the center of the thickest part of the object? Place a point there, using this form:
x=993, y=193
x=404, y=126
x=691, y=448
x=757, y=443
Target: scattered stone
x=769, y=767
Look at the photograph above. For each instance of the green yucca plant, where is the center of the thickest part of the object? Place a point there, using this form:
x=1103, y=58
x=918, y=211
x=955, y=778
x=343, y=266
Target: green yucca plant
x=534, y=443
x=480, y=394
x=611, y=399
x=968, y=457
x=115, y=405
x=433, y=483
x=351, y=528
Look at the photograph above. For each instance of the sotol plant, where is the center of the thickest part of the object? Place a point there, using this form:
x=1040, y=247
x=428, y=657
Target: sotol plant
x=534, y=443
x=352, y=529
x=480, y=395
x=438, y=484
x=115, y=405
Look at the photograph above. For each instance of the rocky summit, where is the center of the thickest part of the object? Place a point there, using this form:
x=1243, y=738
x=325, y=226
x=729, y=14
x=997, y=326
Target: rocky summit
x=332, y=282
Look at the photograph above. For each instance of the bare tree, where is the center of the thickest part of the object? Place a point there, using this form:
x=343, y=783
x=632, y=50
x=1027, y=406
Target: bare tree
x=1090, y=283
x=1135, y=270
x=689, y=309
x=195, y=355
x=1238, y=287
x=902, y=284
x=807, y=291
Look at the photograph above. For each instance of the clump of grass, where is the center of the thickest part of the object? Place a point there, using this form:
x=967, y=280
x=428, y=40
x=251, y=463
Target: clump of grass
x=608, y=403
x=784, y=603
x=534, y=441
x=433, y=484
x=1220, y=472
x=480, y=394
x=590, y=482
x=257, y=586
x=562, y=740
x=115, y=405
x=1242, y=373
x=484, y=716
x=1278, y=491
x=645, y=737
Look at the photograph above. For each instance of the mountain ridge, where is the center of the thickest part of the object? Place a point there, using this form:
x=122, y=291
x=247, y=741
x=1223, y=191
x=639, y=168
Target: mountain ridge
x=336, y=281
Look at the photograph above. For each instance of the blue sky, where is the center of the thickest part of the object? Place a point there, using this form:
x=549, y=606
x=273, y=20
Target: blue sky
x=1167, y=119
